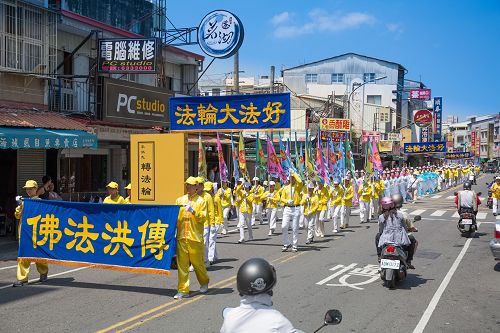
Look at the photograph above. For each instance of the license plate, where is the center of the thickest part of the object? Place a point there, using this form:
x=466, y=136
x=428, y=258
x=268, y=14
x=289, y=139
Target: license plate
x=386, y=263
x=467, y=221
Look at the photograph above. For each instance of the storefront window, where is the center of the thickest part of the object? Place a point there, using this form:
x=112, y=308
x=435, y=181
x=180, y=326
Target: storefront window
x=83, y=177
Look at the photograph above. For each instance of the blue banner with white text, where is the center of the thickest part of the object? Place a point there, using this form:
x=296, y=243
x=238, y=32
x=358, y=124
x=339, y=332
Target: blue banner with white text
x=424, y=147
x=231, y=112
x=134, y=238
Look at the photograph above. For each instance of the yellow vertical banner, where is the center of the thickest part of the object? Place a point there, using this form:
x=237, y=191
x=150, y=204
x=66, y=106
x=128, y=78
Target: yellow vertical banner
x=158, y=167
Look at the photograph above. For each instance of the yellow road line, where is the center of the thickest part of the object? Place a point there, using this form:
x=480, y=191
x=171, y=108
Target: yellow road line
x=280, y=260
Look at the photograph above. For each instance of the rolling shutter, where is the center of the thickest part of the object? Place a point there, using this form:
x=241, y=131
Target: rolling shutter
x=30, y=165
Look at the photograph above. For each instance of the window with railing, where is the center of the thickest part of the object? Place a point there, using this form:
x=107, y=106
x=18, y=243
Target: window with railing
x=66, y=95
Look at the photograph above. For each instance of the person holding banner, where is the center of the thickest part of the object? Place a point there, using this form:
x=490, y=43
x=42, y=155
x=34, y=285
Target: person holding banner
x=23, y=267
x=271, y=198
x=113, y=196
x=257, y=191
x=246, y=209
x=128, y=188
x=346, y=203
x=226, y=198
x=190, y=223
x=290, y=198
x=310, y=202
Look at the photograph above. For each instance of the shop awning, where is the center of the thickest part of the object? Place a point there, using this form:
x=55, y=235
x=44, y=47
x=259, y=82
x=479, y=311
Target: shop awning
x=42, y=138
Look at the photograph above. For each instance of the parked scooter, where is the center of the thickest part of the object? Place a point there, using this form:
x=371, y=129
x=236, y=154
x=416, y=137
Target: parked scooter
x=393, y=263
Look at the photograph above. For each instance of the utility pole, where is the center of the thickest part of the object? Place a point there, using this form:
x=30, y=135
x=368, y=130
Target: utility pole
x=271, y=79
x=236, y=73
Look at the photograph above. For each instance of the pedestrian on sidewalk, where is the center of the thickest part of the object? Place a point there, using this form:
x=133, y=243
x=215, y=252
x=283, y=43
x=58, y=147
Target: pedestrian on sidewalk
x=23, y=267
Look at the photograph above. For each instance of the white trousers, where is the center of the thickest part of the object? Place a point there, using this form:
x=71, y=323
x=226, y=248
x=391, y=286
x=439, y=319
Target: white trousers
x=291, y=218
x=225, y=214
x=301, y=217
x=206, y=242
x=345, y=213
x=212, y=248
x=374, y=207
x=364, y=211
x=244, y=220
x=495, y=205
x=336, y=213
x=271, y=216
x=320, y=224
x=257, y=212
x=310, y=224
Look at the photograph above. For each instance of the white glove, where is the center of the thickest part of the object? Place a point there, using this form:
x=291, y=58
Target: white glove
x=290, y=202
x=19, y=199
x=189, y=208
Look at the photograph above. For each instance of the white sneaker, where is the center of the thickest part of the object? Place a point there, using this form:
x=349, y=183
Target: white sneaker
x=204, y=288
x=270, y=233
x=335, y=231
x=224, y=231
x=191, y=268
x=180, y=295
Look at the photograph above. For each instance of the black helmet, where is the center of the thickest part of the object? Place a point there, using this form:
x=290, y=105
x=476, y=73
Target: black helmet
x=398, y=200
x=255, y=276
x=467, y=185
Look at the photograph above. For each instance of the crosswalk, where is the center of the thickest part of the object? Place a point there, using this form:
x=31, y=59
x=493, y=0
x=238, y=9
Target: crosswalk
x=438, y=213
x=452, y=197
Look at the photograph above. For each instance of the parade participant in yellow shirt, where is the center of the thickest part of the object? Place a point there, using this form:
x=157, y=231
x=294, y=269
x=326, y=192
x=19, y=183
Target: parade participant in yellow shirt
x=290, y=198
x=324, y=197
x=378, y=189
x=128, y=188
x=190, y=220
x=310, y=202
x=495, y=193
x=113, y=196
x=272, y=199
x=365, y=192
x=336, y=199
x=226, y=196
x=23, y=267
x=257, y=190
x=346, y=203
x=238, y=196
x=209, y=223
x=246, y=209
x=214, y=229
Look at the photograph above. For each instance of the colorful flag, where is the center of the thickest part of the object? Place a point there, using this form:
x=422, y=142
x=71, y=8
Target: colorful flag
x=236, y=174
x=368, y=159
x=222, y=164
x=273, y=163
x=202, y=161
x=309, y=167
x=260, y=158
x=349, y=158
x=320, y=163
x=242, y=160
x=299, y=158
x=377, y=162
x=341, y=161
x=332, y=161
x=286, y=162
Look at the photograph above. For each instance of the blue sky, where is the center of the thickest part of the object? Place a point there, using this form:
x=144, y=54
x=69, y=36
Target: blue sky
x=452, y=46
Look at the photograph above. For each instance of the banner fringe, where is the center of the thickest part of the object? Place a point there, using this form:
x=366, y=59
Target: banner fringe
x=102, y=266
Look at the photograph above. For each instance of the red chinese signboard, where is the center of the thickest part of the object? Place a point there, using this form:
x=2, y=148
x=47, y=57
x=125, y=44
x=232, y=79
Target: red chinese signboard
x=473, y=142
x=423, y=118
x=334, y=124
x=335, y=136
x=420, y=94
x=370, y=136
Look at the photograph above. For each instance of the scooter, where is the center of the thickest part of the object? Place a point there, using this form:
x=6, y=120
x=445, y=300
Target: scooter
x=467, y=223
x=393, y=265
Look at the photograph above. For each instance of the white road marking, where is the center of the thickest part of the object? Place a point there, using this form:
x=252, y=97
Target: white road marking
x=404, y=209
x=482, y=198
x=450, y=197
x=498, y=217
x=438, y=213
x=418, y=212
x=456, y=215
x=340, y=272
x=7, y=267
x=437, y=196
x=50, y=276
x=481, y=216
x=439, y=292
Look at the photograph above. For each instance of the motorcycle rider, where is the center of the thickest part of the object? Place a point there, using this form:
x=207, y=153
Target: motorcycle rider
x=467, y=200
x=398, y=203
x=392, y=228
x=255, y=281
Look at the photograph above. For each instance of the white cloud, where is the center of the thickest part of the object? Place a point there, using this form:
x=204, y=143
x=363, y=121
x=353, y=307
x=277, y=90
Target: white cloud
x=319, y=20
x=395, y=28
x=280, y=18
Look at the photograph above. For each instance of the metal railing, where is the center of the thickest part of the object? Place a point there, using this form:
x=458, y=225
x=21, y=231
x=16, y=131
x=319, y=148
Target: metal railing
x=67, y=95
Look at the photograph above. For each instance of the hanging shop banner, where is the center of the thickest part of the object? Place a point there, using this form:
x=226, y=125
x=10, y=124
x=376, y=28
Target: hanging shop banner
x=424, y=134
x=335, y=136
x=45, y=138
x=134, y=238
x=423, y=118
x=420, y=94
x=424, y=148
x=220, y=34
x=230, y=113
x=478, y=144
x=458, y=156
x=394, y=136
x=371, y=136
x=334, y=124
x=127, y=55
x=385, y=146
x=438, y=113
x=473, y=142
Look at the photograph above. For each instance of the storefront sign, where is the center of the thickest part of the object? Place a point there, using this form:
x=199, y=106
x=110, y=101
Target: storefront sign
x=458, y=156
x=424, y=134
x=423, y=118
x=334, y=124
x=438, y=113
x=394, y=136
x=120, y=134
x=335, y=136
x=385, y=146
x=126, y=102
x=427, y=148
x=370, y=136
x=127, y=55
x=420, y=94
x=473, y=142
x=130, y=238
x=220, y=34
x=43, y=138
x=478, y=144
x=231, y=112
x=146, y=171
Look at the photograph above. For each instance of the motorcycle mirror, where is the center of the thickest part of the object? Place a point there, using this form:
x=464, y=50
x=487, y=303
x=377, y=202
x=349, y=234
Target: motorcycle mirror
x=333, y=317
x=417, y=218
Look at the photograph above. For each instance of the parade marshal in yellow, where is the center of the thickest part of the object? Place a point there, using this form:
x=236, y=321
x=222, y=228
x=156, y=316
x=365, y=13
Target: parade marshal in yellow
x=113, y=196
x=190, y=223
